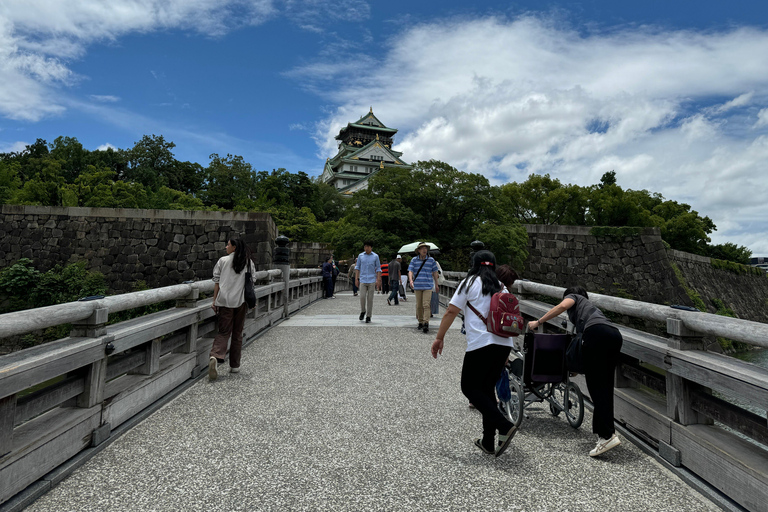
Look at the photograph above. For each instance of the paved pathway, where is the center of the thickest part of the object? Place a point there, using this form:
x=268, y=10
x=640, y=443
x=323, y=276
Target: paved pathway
x=330, y=413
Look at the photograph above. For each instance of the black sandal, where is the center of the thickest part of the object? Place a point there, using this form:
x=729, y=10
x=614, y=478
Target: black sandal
x=479, y=444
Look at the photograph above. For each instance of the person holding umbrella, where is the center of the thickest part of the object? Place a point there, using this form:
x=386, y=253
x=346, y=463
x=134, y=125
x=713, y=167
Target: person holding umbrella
x=422, y=276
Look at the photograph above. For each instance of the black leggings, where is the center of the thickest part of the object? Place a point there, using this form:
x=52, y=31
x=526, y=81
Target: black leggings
x=602, y=345
x=481, y=370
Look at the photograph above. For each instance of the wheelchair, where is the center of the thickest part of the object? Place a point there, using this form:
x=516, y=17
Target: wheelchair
x=536, y=373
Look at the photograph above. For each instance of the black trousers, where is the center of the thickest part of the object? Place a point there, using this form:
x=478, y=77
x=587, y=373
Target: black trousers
x=481, y=370
x=600, y=351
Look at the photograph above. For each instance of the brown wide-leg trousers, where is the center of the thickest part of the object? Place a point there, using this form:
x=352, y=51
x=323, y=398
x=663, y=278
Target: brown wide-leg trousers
x=231, y=321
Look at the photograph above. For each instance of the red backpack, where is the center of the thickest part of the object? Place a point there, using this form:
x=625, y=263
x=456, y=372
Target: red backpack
x=504, y=318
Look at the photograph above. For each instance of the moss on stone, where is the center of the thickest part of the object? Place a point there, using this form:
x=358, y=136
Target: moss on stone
x=737, y=268
x=692, y=294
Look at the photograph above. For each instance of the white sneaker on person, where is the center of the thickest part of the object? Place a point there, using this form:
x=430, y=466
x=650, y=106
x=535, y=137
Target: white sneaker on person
x=234, y=370
x=603, y=445
x=213, y=371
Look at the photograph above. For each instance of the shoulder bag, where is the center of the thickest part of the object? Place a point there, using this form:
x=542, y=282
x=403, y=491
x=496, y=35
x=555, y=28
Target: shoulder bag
x=250, y=293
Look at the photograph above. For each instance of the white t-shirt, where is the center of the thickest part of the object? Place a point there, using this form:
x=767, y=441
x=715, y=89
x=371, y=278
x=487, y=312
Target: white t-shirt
x=477, y=333
x=231, y=285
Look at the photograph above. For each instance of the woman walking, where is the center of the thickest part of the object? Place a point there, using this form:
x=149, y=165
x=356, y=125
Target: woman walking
x=486, y=353
x=601, y=345
x=229, y=304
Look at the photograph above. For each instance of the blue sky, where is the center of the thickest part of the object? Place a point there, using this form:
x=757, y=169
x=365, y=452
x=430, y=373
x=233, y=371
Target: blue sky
x=672, y=95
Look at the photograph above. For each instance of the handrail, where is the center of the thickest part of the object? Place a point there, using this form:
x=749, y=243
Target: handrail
x=22, y=322
x=745, y=331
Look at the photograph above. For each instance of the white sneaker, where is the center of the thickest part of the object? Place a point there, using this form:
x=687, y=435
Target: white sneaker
x=213, y=372
x=603, y=445
x=234, y=370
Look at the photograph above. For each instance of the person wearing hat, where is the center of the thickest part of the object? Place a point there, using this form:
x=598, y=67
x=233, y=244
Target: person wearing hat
x=422, y=276
x=394, y=281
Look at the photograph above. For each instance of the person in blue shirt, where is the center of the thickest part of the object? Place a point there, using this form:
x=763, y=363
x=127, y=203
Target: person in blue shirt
x=423, y=276
x=367, y=279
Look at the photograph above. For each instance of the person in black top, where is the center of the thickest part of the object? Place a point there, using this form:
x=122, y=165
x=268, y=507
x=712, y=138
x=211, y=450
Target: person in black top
x=601, y=345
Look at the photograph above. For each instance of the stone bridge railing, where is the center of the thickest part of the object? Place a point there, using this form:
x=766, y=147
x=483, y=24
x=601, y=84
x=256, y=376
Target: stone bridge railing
x=64, y=397
x=672, y=393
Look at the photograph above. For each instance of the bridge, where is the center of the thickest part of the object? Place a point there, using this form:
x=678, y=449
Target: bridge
x=332, y=413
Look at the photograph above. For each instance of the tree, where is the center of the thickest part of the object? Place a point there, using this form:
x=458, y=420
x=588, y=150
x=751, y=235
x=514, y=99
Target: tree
x=507, y=242
x=71, y=155
x=151, y=162
x=730, y=252
x=9, y=180
x=228, y=181
x=543, y=200
x=44, y=188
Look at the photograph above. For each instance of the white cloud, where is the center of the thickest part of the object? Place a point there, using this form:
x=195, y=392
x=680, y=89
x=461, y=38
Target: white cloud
x=740, y=101
x=762, y=118
x=38, y=39
x=13, y=147
x=106, y=146
x=510, y=97
x=104, y=98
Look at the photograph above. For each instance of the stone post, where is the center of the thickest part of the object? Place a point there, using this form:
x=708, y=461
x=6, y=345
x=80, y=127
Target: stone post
x=282, y=261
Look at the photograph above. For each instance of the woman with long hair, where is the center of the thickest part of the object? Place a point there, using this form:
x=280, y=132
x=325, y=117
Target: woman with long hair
x=601, y=345
x=229, y=304
x=486, y=353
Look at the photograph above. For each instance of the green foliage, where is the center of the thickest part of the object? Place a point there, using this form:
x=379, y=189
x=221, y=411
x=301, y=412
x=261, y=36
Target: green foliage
x=507, y=242
x=618, y=291
x=229, y=182
x=692, y=294
x=435, y=201
x=24, y=287
x=16, y=282
x=730, y=252
x=10, y=182
x=737, y=268
x=543, y=200
x=727, y=344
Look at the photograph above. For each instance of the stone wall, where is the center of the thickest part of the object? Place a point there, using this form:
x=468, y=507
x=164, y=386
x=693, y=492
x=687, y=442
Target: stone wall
x=160, y=247
x=308, y=255
x=745, y=294
x=638, y=267
x=633, y=267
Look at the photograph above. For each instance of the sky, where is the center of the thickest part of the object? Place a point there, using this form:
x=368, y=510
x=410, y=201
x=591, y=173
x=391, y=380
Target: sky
x=671, y=95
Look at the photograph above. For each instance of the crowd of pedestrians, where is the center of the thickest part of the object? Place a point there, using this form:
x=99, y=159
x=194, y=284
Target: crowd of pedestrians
x=486, y=353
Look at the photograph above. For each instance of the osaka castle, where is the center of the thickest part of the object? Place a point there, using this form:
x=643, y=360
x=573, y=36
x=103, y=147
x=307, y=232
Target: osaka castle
x=365, y=147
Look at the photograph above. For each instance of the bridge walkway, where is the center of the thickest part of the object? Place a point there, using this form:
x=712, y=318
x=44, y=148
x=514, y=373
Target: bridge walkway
x=330, y=413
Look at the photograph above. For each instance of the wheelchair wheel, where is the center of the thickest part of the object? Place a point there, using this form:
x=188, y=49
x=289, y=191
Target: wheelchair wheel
x=574, y=400
x=513, y=410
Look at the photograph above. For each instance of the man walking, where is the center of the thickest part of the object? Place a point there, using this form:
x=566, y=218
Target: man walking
x=422, y=275
x=394, y=281
x=367, y=279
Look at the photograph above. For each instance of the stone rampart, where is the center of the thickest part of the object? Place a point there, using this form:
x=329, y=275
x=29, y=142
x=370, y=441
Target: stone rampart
x=745, y=294
x=638, y=266
x=160, y=247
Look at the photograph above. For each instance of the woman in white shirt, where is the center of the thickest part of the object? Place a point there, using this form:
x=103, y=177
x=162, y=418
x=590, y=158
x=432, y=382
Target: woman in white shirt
x=486, y=353
x=229, y=304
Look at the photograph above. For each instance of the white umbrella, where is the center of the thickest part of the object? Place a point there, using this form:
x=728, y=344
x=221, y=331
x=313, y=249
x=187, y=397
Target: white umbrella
x=412, y=247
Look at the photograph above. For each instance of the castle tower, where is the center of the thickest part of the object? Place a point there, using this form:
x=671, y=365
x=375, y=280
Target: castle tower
x=365, y=147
